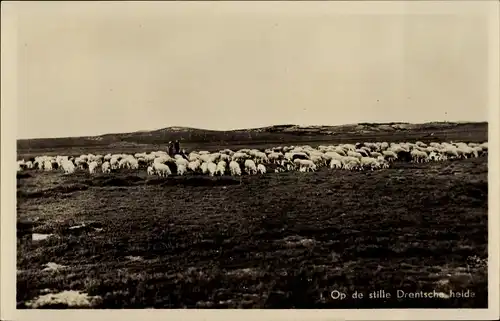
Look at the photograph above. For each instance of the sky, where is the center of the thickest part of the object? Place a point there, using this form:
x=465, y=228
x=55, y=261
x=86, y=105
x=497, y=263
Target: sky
x=94, y=68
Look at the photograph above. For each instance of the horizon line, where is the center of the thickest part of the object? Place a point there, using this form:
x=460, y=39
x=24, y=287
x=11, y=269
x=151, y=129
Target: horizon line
x=254, y=128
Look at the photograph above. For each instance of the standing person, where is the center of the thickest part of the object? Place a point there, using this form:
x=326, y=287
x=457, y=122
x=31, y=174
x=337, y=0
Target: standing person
x=177, y=148
x=170, y=149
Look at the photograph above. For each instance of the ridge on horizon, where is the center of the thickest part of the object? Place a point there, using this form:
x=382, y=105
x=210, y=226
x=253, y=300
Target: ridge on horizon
x=251, y=129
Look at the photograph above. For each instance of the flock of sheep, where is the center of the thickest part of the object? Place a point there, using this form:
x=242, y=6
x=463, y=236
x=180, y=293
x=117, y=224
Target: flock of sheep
x=360, y=156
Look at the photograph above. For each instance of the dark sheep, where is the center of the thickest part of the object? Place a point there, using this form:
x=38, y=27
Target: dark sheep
x=404, y=156
x=172, y=165
x=299, y=156
x=142, y=163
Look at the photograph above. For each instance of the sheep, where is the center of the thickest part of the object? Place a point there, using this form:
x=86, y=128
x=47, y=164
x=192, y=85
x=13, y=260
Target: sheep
x=181, y=161
x=250, y=167
x=307, y=165
x=194, y=165
x=181, y=169
x=350, y=162
x=161, y=170
x=418, y=156
x=204, y=167
x=212, y=168
x=235, y=169
x=261, y=169
x=132, y=163
x=389, y=155
x=221, y=168
x=275, y=157
x=239, y=156
x=68, y=167
x=299, y=155
x=354, y=154
x=150, y=170
x=335, y=163
x=368, y=162
x=47, y=165
x=318, y=160
x=114, y=163
x=261, y=157
x=92, y=166
x=225, y=157
x=29, y=164
x=106, y=167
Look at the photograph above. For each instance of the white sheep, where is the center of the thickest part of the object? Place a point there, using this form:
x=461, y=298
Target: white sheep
x=261, y=169
x=194, y=165
x=221, y=168
x=419, y=156
x=239, y=156
x=181, y=169
x=250, y=167
x=47, y=165
x=211, y=167
x=150, y=170
x=354, y=154
x=68, y=167
x=92, y=166
x=106, y=167
x=181, y=162
x=335, y=163
x=306, y=165
x=161, y=170
x=204, y=167
x=235, y=169
x=389, y=155
x=368, y=162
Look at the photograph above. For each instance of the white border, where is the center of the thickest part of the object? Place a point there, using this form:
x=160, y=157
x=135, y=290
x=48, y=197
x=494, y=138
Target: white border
x=8, y=151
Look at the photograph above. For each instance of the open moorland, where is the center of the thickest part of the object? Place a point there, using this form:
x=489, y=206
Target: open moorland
x=278, y=240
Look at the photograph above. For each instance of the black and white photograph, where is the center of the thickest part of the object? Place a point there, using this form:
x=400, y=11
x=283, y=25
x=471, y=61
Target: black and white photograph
x=252, y=155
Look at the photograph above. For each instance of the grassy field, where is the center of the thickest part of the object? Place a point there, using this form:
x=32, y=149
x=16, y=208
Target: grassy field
x=273, y=241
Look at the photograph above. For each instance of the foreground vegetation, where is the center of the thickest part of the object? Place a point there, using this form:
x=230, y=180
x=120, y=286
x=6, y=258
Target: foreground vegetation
x=274, y=241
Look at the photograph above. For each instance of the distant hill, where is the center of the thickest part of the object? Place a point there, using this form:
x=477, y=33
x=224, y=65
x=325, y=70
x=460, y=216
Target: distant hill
x=276, y=133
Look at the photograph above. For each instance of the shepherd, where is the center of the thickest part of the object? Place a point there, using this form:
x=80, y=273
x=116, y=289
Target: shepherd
x=170, y=149
x=177, y=148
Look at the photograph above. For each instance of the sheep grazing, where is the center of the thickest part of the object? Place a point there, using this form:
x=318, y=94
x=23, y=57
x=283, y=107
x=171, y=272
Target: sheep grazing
x=194, y=165
x=335, y=163
x=47, y=165
x=68, y=167
x=181, y=169
x=250, y=167
x=306, y=165
x=359, y=156
x=221, y=168
x=212, y=168
x=161, y=170
x=235, y=169
x=389, y=155
x=368, y=162
x=106, y=167
x=204, y=168
x=92, y=167
x=418, y=156
x=181, y=161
